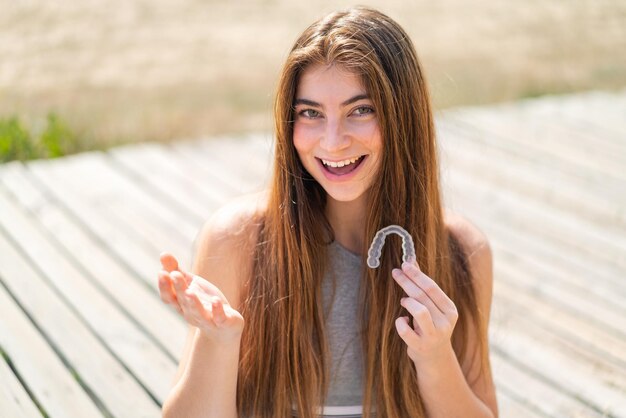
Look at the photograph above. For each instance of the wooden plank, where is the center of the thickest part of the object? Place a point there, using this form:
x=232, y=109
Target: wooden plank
x=512, y=302
x=202, y=173
x=253, y=157
x=130, y=216
x=608, y=107
x=515, y=250
x=589, y=379
x=110, y=182
x=539, y=283
x=567, y=323
x=232, y=171
x=531, y=181
x=120, y=334
x=597, y=182
x=121, y=242
x=533, y=396
x=542, y=129
x=538, y=280
x=137, y=300
x=511, y=407
x=107, y=380
x=596, y=113
x=156, y=170
x=137, y=216
x=517, y=137
x=190, y=156
x=14, y=400
x=227, y=179
x=493, y=217
x=601, y=244
x=47, y=378
x=567, y=265
x=85, y=211
x=571, y=313
x=199, y=177
x=579, y=116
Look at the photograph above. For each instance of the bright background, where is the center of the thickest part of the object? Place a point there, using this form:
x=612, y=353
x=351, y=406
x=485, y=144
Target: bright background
x=156, y=70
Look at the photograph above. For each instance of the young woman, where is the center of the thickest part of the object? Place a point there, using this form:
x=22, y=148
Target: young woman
x=285, y=317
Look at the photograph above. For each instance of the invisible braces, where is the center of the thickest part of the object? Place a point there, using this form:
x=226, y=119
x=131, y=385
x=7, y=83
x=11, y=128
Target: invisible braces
x=376, y=248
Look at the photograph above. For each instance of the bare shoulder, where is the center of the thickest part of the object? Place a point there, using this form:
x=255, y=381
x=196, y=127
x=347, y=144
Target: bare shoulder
x=475, y=243
x=224, y=247
x=473, y=240
x=223, y=254
x=480, y=258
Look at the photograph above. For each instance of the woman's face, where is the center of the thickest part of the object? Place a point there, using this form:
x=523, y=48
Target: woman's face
x=336, y=131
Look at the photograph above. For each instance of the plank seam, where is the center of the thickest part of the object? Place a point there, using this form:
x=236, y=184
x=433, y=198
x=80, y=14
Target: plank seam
x=122, y=166
x=553, y=383
x=54, y=348
x=69, y=256
x=524, y=403
x=80, y=318
x=476, y=132
x=578, y=343
x=17, y=374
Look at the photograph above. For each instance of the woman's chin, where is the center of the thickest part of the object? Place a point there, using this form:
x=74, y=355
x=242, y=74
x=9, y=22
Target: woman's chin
x=345, y=196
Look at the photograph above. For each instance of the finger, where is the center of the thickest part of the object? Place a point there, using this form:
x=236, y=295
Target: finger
x=422, y=316
x=166, y=287
x=439, y=317
x=167, y=292
x=170, y=264
x=168, y=261
x=408, y=334
x=181, y=282
x=411, y=288
x=180, y=285
x=185, y=304
x=429, y=286
x=171, y=302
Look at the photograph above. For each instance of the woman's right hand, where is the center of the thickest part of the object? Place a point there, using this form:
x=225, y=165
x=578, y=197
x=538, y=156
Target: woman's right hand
x=200, y=302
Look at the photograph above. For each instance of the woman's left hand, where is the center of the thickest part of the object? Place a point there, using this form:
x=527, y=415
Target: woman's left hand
x=434, y=315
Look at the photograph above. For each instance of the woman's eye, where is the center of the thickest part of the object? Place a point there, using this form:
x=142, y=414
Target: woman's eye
x=310, y=113
x=363, y=110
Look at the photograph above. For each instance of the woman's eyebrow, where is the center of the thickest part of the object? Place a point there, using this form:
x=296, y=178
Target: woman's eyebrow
x=306, y=102
x=346, y=103
x=355, y=99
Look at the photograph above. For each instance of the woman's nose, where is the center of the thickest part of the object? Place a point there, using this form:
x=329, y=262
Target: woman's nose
x=335, y=137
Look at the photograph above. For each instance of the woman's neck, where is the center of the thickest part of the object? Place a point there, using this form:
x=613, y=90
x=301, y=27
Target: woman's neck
x=348, y=222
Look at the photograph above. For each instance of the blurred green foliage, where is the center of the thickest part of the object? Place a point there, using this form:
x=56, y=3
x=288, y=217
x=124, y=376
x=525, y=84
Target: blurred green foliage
x=17, y=142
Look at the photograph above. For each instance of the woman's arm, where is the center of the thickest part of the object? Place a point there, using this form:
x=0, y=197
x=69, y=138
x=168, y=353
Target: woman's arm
x=206, y=381
x=443, y=382
x=208, y=384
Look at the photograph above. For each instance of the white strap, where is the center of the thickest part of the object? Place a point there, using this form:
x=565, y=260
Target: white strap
x=342, y=410
x=337, y=410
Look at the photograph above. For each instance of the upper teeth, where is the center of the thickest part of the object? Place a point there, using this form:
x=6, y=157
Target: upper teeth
x=340, y=163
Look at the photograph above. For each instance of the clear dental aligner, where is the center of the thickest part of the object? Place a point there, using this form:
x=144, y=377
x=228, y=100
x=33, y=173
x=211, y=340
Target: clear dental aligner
x=376, y=248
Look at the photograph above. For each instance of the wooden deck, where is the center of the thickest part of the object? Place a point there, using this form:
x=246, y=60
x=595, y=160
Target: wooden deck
x=84, y=334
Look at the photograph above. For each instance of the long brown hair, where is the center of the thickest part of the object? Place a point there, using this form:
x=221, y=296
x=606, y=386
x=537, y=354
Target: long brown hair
x=284, y=351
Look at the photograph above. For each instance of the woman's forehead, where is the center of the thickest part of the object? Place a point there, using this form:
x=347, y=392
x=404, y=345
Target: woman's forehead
x=322, y=79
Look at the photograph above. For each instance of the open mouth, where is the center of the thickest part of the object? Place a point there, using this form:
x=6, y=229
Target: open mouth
x=341, y=168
